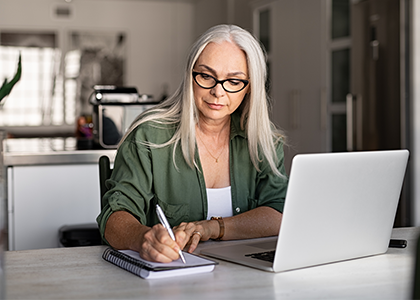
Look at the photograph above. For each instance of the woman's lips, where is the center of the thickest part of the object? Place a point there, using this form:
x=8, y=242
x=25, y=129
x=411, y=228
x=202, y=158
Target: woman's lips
x=215, y=106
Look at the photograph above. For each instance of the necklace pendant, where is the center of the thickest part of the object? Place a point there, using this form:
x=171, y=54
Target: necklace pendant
x=217, y=160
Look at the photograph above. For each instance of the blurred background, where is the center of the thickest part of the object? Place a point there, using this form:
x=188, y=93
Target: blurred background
x=342, y=74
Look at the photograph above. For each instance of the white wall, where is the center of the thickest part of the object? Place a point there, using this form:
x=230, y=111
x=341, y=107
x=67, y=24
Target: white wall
x=159, y=33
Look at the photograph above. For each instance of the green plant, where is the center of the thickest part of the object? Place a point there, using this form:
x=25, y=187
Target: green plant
x=7, y=86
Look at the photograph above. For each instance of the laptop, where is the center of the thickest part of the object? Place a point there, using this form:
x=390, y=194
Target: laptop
x=339, y=206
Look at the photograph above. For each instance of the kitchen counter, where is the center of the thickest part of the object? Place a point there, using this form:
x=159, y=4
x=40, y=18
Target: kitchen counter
x=52, y=184
x=49, y=151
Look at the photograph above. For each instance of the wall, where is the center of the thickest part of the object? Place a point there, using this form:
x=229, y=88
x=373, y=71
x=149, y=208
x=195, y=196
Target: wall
x=210, y=13
x=159, y=33
x=415, y=102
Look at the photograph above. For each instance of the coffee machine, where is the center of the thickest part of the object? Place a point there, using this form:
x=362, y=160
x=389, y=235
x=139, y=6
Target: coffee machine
x=114, y=109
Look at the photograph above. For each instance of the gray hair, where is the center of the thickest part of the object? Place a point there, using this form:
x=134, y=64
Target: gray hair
x=180, y=107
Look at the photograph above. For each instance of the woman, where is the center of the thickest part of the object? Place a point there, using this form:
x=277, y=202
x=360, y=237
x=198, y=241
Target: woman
x=208, y=151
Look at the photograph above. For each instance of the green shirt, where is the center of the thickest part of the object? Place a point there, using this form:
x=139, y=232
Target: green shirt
x=144, y=176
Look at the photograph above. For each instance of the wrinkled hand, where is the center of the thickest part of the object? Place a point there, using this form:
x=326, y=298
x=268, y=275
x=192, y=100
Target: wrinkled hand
x=192, y=233
x=156, y=245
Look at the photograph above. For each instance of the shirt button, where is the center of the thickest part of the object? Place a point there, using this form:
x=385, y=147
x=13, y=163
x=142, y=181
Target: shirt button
x=238, y=209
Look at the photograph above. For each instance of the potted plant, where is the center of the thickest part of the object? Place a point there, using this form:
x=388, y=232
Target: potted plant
x=7, y=86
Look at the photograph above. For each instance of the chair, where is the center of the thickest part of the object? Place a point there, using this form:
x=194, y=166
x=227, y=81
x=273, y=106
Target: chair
x=87, y=234
x=105, y=172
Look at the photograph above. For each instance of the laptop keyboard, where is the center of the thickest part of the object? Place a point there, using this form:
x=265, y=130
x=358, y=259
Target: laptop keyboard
x=267, y=256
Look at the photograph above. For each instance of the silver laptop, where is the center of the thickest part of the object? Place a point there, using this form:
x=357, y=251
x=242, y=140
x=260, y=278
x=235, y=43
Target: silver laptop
x=339, y=206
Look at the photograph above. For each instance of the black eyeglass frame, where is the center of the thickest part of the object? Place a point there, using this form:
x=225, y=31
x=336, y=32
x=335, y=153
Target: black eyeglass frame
x=195, y=74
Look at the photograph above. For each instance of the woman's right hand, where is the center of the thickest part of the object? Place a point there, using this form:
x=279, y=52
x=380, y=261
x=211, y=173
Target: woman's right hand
x=156, y=245
x=124, y=231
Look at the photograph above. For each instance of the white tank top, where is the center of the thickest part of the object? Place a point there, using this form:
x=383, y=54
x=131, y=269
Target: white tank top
x=219, y=202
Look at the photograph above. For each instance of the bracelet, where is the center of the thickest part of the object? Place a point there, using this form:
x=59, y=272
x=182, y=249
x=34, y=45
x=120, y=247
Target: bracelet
x=221, y=227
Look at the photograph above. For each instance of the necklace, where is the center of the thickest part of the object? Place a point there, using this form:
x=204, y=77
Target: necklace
x=215, y=158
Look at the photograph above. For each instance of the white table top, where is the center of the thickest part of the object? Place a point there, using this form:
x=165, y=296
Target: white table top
x=81, y=273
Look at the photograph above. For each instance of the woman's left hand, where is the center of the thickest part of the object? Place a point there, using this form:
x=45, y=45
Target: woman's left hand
x=196, y=232
x=258, y=222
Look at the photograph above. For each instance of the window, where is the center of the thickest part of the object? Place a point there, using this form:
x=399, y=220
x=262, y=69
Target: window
x=56, y=83
x=37, y=99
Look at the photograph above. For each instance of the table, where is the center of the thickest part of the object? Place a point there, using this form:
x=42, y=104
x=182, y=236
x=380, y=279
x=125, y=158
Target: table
x=81, y=273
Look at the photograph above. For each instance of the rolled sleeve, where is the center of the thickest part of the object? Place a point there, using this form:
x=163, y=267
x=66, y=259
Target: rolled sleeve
x=130, y=185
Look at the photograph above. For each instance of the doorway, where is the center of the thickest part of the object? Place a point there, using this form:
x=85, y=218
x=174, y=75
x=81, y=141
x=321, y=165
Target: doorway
x=377, y=96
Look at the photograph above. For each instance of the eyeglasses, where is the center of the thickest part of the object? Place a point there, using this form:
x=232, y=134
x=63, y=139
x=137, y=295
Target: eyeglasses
x=229, y=85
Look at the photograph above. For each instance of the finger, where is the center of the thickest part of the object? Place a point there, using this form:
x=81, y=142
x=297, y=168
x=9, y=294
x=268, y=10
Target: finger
x=148, y=252
x=190, y=229
x=180, y=226
x=187, y=246
x=185, y=227
x=155, y=255
x=183, y=233
x=195, y=239
x=159, y=246
x=182, y=238
x=203, y=228
x=162, y=236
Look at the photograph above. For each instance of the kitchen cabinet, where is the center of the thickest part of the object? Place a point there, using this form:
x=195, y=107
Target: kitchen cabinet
x=42, y=198
x=49, y=184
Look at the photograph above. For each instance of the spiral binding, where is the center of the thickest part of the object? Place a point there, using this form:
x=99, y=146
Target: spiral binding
x=125, y=262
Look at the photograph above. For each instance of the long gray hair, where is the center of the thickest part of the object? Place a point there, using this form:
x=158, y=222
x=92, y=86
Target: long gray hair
x=180, y=108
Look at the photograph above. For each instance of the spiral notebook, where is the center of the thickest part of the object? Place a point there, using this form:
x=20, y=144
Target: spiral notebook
x=132, y=262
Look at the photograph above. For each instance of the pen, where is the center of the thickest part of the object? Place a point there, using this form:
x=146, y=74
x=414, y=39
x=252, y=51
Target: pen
x=165, y=223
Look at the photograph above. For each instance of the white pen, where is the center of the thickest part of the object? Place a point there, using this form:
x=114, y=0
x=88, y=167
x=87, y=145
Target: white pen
x=165, y=223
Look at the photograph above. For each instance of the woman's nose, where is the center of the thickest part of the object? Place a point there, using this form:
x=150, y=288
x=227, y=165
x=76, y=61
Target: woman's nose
x=218, y=91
